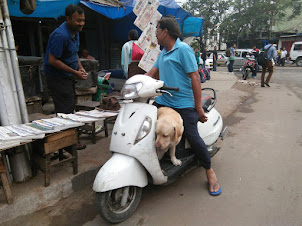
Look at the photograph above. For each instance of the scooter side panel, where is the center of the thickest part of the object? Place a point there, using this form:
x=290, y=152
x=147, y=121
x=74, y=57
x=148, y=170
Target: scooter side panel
x=120, y=171
x=210, y=130
x=125, y=131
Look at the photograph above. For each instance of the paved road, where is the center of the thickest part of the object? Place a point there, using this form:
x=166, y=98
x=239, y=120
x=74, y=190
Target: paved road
x=259, y=169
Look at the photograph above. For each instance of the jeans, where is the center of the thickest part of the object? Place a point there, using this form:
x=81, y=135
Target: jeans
x=190, y=119
x=214, y=65
x=230, y=66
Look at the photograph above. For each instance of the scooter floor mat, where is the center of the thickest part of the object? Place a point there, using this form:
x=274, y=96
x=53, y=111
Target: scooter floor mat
x=174, y=171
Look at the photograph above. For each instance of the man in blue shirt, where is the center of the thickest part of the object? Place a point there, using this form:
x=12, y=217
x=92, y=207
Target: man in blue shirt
x=271, y=56
x=177, y=67
x=62, y=63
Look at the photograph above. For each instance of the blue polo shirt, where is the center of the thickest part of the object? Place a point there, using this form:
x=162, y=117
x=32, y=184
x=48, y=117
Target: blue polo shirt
x=65, y=47
x=174, y=67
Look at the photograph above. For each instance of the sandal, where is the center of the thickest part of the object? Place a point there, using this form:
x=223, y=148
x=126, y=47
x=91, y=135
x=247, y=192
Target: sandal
x=214, y=193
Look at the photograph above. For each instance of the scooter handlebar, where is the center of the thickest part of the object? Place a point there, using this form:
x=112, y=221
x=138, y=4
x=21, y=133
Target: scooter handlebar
x=169, y=88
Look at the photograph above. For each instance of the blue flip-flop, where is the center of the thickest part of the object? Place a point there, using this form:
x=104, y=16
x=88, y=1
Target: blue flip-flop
x=215, y=193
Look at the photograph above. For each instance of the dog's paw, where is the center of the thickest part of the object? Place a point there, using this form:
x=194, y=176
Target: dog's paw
x=176, y=162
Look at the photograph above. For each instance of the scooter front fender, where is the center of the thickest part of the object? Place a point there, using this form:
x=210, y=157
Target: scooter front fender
x=120, y=171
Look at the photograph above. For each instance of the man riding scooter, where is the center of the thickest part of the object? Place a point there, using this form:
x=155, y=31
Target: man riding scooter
x=177, y=67
x=255, y=53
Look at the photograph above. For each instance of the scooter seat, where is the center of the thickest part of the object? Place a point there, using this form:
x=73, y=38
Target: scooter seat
x=206, y=101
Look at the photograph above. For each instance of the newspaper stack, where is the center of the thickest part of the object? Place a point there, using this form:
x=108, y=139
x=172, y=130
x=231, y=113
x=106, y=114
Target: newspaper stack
x=11, y=136
x=147, y=20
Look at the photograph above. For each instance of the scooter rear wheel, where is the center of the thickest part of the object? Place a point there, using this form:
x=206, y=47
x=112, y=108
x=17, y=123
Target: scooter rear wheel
x=117, y=205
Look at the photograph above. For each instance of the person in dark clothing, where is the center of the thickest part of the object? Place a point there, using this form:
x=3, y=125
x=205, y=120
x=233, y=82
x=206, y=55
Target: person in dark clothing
x=62, y=64
x=215, y=55
x=204, y=57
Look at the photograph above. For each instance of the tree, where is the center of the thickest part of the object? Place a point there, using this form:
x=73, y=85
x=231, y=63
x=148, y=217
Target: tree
x=250, y=18
x=212, y=11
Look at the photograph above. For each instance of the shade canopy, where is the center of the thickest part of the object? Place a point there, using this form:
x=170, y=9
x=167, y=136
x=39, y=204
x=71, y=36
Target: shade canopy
x=190, y=26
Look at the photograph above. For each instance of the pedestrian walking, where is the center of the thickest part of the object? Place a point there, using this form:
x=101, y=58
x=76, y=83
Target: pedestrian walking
x=271, y=56
x=215, y=58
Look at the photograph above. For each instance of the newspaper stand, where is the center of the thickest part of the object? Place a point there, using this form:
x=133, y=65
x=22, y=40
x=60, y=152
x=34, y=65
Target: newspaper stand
x=66, y=140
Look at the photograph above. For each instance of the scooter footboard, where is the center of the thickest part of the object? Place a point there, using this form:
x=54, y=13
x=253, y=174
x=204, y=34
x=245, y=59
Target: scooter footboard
x=120, y=171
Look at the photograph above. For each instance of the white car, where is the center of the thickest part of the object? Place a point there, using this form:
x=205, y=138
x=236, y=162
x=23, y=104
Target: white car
x=209, y=62
x=296, y=53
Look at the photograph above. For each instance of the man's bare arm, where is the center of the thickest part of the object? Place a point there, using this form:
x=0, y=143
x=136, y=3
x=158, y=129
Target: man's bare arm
x=152, y=73
x=196, y=86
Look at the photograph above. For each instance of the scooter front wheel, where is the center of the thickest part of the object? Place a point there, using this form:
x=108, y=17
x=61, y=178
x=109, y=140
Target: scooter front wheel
x=117, y=205
x=245, y=74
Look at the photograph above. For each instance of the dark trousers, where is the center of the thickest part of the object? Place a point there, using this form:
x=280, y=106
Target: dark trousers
x=270, y=72
x=230, y=66
x=190, y=119
x=214, y=65
x=63, y=93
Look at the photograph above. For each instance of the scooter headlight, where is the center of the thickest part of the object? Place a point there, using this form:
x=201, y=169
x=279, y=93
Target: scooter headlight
x=144, y=130
x=130, y=91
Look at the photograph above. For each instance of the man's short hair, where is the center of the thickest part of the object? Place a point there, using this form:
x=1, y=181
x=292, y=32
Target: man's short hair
x=133, y=34
x=172, y=26
x=72, y=8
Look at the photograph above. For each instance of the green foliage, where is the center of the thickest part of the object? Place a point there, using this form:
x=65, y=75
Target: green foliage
x=242, y=19
x=195, y=45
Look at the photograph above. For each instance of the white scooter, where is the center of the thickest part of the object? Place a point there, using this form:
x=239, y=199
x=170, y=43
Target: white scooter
x=118, y=184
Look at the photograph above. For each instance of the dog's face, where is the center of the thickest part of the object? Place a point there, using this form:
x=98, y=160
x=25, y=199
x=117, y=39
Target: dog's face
x=165, y=135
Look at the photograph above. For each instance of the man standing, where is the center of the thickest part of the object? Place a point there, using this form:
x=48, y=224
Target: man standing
x=204, y=57
x=127, y=50
x=62, y=64
x=215, y=58
x=231, y=58
x=283, y=56
x=271, y=56
x=177, y=67
x=255, y=53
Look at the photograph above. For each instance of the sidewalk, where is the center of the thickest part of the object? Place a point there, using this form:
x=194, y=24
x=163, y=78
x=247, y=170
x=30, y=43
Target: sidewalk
x=32, y=195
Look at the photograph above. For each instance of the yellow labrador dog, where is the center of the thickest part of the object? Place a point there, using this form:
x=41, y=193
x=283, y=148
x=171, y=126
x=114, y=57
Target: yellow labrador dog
x=169, y=129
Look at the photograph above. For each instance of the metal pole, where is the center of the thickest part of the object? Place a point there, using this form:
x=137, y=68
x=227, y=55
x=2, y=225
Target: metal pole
x=10, y=71
x=9, y=114
x=15, y=63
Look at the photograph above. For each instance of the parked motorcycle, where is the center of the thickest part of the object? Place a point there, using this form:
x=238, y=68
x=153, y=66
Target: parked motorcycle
x=249, y=67
x=134, y=163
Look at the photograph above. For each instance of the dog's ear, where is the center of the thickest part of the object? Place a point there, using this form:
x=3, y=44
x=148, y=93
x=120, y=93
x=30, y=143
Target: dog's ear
x=178, y=131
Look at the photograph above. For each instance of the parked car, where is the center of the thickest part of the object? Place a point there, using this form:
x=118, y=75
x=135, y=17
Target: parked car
x=296, y=53
x=209, y=62
x=222, y=59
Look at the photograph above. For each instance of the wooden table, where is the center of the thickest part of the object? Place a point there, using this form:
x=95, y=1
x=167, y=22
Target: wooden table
x=61, y=141
x=5, y=183
x=90, y=128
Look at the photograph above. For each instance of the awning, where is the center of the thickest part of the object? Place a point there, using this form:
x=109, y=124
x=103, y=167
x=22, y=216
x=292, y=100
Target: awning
x=45, y=8
x=190, y=26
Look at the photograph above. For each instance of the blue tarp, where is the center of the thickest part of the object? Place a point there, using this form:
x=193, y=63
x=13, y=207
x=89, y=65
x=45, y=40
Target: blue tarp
x=45, y=8
x=190, y=26
x=123, y=16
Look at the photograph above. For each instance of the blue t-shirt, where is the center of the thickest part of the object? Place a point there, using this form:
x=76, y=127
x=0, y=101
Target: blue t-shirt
x=174, y=67
x=65, y=47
